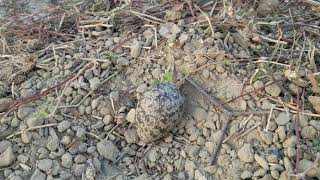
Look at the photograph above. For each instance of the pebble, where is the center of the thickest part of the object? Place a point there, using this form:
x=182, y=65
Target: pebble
x=94, y=83
x=34, y=121
x=23, y=112
x=192, y=150
x=131, y=116
x=108, y=150
x=122, y=61
x=291, y=152
x=78, y=169
x=315, y=124
x=246, y=153
x=53, y=143
x=156, y=73
x=246, y=174
x=288, y=165
x=273, y=89
x=26, y=137
x=66, y=160
x=290, y=142
x=141, y=88
x=135, y=49
x=45, y=165
x=304, y=164
x=131, y=136
x=282, y=119
x=266, y=137
x=315, y=102
x=308, y=132
x=199, y=114
x=38, y=175
x=259, y=173
x=23, y=158
x=63, y=126
x=80, y=159
x=261, y=161
x=7, y=157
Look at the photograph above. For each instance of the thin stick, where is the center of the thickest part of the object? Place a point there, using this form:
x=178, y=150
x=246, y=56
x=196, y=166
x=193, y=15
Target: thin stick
x=247, y=132
x=269, y=119
x=297, y=129
x=207, y=18
x=148, y=16
x=111, y=131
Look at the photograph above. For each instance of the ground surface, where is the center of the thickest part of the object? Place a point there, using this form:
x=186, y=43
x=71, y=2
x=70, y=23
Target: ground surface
x=71, y=74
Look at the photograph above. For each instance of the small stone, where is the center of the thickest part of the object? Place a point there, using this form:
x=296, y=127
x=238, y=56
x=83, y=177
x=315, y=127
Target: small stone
x=192, y=150
x=246, y=174
x=308, y=132
x=156, y=73
x=26, y=137
x=94, y=83
x=259, y=173
x=81, y=133
x=266, y=8
x=122, y=61
x=34, y=121
x=107, y=119
x=315, y=124
x=261, y=161
x=7, y=157
x=288, y=165
x=80, y=159
x=290, y=142
x=273, y=90
x=315, y=102
x=63, y=126
x=266, y=137
x=141, y=88
x=131, y=136
x=206, y=73
x=258, y=85
x=45, y=165
x=108, y=150
x=23, y=112
x=131, y=116
x=291, y=152
x=135, y=49
x=66, y=160
x=53, y=143
x=38, y=175
x=305, y=164
x=79, y=169
x=199, y=114
x=23, y=158
x=5, y=104
x=246, y=153
x=283, y=119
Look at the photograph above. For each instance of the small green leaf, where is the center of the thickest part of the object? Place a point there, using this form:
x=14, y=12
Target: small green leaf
x=167, y=77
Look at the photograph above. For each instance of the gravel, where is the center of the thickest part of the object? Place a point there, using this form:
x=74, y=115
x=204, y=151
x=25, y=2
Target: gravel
x=282, y=119
x=108, y=150
x=246, y=153
x=7, y=157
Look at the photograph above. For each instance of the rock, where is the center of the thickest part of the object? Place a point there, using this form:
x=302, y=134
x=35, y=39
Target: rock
x=168, y=30
x=107, y=119
x=131, y=116
x=156, y=73
x=131, y=136
x=315, y=124
x=192, y=150
x=158, y=111
x=5, y=104
x=282, y=119
x=45, y=165
x=4, y=89
x=108, y=150
x=273, y=90
x=135, y=49
x=308, y=132
x=94, y=83
x=53, y=143
x=79, y=169
x=34, y=121
x=259, y=173
x=7, y=157
x=261, y=161
x=315, y=102
x=4, y=145
x=66, y=160
x=26, y=137
x=122, y=61
x=141, y=88
x=246, y=174
x=172, y=15
x=38, y=175
x=246, y=153
x=63, y=126
x=23, y=158
x=291, y=152
x=266, y=8
x=199, y=114
x=290, y=142
x=80, y=159
x=304, y=164
x=23, y=112
x=266, y=137
x=288, y=165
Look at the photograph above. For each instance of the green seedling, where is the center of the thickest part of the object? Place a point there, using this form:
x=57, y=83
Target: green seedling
x=41, y=113
x=166, y=78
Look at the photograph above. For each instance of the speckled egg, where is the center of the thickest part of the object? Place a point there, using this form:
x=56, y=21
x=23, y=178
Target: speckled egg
x=158, y=111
